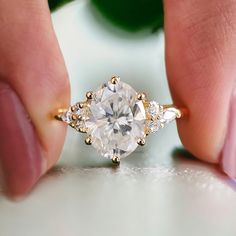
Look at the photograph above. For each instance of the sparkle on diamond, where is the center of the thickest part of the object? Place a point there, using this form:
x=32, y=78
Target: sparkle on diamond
x=116, y=120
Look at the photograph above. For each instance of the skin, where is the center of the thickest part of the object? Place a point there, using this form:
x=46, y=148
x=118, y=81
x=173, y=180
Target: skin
x=200, y=55
x=200, y=59
x=32, y=63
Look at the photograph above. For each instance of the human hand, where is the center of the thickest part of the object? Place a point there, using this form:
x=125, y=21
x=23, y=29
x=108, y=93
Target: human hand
x=33, y=83
x=200, y=52
x=200, y=57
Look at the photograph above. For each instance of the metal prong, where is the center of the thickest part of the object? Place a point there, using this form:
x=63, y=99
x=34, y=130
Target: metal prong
x=178, y=113
x=147, y=131
x=74, y=117
x=82, y=130
x=59, y=114
x=116, y=160
x=88, y=140
x=115, y=79
x=141, y=96
x=82, y=105
x=141, y=141
x=89, y=95
x=80, y=118
x=72, y=125
x=58, y=117
x=73, y=108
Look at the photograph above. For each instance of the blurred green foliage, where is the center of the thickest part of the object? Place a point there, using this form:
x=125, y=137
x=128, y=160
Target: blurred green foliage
x=132, y=15
x=54, y=4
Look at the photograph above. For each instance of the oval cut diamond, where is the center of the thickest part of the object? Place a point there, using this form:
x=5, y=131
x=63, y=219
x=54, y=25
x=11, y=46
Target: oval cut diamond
x=116, y=120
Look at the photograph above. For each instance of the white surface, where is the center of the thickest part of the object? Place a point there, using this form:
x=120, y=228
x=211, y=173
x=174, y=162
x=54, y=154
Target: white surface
x=152, y=193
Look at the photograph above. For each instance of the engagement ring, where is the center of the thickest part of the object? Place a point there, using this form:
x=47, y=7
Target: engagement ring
x=116, y=119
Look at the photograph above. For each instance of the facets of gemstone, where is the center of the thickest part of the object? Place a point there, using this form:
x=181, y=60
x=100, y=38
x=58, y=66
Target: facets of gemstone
x=67, y=117
x=153, y=125
x=168, y=115
x=153, y=109
x=80, y=125
x=116, y=120
x=72, y=117
x=83, y=113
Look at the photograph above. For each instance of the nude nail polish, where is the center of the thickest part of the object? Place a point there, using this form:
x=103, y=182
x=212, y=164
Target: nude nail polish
x=228, y=154
x=21, y=159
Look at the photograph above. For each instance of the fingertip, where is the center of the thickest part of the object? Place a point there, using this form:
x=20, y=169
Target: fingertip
x=200, y=56
x=21, y=156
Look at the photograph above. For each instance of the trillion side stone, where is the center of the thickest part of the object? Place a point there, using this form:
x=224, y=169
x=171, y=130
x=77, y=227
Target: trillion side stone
x=67, y=117
x=168, y=116
x=116, y=120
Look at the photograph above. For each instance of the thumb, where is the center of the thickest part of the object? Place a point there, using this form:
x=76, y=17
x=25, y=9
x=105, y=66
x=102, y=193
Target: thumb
x=34, y=84
x=200, y=58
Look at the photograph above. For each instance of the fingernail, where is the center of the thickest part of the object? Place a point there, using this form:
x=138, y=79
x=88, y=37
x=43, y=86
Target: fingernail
x=228, y=154
x=21, y=160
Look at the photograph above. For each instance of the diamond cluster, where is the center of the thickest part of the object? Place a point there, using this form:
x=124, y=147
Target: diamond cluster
x=158, y=116
x=76, y=116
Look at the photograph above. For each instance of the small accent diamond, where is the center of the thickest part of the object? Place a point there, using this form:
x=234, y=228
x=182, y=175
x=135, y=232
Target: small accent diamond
x=153, y=109
x=67, y=117
x=80, y=125
x=168, y=115
x=153, y=125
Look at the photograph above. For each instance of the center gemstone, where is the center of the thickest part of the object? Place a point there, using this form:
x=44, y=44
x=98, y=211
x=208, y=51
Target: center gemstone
x=116, y=120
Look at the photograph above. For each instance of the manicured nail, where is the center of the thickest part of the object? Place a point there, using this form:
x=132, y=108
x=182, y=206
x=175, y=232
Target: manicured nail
x=21, y=160
x=228, y=154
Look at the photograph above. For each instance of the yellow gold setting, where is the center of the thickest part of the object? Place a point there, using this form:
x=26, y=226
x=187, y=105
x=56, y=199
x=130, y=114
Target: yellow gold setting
x=80, y=116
